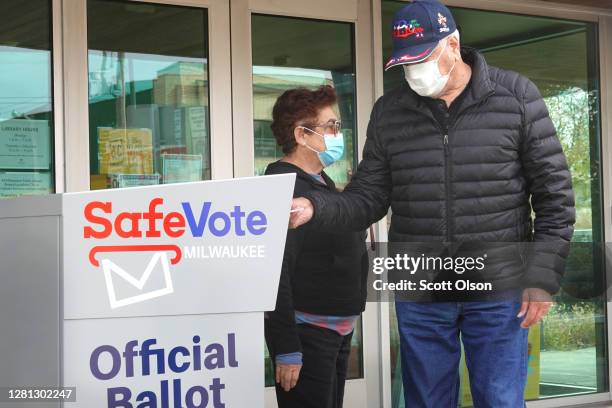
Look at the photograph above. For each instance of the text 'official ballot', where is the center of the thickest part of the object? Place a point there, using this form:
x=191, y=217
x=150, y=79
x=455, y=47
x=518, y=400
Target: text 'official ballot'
x=148, y=358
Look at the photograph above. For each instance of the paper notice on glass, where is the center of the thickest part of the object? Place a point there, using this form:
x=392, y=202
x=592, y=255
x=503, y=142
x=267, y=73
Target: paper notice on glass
x=197, y=133
x=15, y=184
x=25, y=144
x=125, y=151
x=180, y=168
x=197, y=121
x=133, y=180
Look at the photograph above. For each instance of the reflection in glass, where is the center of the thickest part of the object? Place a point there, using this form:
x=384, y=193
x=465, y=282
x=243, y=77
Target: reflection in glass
x=315, y=53
x=568, y=353
x=148, y=94
x=26, y=99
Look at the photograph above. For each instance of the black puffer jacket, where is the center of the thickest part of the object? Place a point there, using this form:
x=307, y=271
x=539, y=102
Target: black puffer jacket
x=475, y=184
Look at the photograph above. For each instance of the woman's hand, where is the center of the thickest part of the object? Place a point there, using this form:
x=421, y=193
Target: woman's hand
x=287, y=375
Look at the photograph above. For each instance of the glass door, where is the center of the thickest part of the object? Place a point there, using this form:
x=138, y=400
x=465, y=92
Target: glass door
x=297, y=45
x=26, y=99
x=148, y=95
x=318, y=53
x=568, y=354
x=151, y=83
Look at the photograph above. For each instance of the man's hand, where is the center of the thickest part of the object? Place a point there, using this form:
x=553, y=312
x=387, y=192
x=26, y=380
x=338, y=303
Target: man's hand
x=536, y=303
x=287, y=375
x=301, y=212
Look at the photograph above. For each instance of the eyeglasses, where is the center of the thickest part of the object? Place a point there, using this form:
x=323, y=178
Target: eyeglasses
x=332, y=126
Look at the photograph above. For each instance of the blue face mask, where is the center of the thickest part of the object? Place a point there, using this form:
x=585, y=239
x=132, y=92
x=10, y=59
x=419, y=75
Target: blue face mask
x=334, y=148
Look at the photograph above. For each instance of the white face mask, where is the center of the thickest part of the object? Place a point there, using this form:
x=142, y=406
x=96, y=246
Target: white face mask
x=425, y=78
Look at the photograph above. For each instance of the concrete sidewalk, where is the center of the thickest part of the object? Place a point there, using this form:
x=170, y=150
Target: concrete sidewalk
x=573, y=368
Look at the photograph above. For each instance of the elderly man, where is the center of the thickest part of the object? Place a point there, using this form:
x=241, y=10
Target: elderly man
x=462, y=152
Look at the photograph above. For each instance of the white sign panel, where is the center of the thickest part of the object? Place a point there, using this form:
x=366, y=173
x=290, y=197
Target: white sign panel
x=25, y=144
x=174, y=361
x=206, y=247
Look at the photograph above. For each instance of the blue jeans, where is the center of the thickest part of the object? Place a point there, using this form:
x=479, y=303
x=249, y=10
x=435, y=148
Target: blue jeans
x=495, y=351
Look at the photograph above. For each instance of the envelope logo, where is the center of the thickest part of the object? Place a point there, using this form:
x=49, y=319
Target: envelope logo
x=158, y=264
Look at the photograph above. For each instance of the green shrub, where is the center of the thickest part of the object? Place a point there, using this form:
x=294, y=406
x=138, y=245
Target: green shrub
x=570, y=326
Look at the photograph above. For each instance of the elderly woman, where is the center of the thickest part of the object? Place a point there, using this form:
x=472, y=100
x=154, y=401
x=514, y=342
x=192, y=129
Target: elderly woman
x=322, y=288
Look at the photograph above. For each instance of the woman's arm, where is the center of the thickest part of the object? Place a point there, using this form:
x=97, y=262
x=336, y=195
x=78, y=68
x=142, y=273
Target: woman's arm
x=280, y=324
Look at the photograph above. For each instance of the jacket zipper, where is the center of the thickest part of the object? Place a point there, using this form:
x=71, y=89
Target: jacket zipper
x=447, y=187
x=447, y=154
x=447, y=171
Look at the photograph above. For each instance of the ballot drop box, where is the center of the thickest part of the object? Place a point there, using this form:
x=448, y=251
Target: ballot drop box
x=141, y=297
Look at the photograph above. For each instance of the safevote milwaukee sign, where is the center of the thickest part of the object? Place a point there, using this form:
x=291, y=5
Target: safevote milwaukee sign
x=165, y=288
x=176, y=249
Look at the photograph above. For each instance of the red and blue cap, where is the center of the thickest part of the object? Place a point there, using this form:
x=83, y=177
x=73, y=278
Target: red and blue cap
x=417, y=30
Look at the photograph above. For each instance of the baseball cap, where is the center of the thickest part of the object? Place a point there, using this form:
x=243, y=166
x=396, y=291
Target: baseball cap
x=417, y=30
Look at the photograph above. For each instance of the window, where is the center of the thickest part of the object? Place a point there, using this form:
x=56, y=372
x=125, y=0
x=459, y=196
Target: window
x=317, y=53
x=26, y=99
x=148, y=94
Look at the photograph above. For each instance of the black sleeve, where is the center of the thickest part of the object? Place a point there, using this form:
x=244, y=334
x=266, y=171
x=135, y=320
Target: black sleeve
x=280, y=324
x=366, y=198
x=552, y=198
